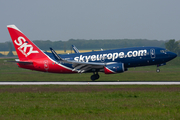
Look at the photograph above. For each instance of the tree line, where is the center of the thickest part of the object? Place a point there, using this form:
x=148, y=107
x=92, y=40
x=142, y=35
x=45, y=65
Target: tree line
x=173, y=46
x=83, y=44
x=90, y=44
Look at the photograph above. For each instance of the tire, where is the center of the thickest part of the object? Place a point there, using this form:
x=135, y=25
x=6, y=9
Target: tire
x=97, y=76
x=157, y=70
x=93, y=77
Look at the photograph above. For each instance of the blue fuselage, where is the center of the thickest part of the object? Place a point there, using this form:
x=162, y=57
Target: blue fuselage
x=131, y=57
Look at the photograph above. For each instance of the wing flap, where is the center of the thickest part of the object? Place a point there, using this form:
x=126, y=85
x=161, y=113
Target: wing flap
x=86, y=68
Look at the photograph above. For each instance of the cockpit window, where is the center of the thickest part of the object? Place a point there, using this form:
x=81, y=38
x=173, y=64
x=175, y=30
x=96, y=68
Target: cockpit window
x=164, y=51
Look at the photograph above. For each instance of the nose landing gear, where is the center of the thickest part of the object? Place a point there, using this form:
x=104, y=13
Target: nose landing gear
x=157, y=70
x=95, y=76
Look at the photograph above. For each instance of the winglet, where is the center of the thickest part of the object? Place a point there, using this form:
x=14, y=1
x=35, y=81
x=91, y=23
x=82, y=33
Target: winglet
x=75, y=49
x=56, y=56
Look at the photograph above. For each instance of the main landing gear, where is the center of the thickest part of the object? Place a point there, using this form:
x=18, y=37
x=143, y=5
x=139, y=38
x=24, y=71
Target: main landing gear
x=95, y=76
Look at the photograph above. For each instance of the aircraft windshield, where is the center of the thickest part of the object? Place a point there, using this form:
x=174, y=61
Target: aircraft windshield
x=164, y=51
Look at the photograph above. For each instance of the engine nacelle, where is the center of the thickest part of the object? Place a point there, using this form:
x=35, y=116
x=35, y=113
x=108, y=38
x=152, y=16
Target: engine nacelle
x=114, y=68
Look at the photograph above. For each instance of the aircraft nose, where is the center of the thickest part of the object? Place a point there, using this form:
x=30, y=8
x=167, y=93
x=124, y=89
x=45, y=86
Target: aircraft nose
x=172, y=55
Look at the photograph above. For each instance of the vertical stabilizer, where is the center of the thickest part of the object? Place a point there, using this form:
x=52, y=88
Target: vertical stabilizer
x=25, y=48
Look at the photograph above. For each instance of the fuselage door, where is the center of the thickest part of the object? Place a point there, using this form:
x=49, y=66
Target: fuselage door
x=152, y=53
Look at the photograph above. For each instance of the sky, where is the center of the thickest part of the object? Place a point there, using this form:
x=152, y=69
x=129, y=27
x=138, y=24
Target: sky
x=91, y=19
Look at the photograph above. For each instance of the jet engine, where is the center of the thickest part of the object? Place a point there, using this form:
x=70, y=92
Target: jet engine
x=114, y=68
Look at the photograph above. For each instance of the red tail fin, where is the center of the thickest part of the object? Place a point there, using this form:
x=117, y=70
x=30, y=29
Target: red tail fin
x=24, y=47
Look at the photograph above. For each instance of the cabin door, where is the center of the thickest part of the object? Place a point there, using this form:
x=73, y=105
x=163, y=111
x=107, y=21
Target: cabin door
x=152, y=53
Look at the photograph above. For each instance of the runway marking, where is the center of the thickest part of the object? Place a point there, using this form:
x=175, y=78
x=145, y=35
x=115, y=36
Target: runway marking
x=89, y=83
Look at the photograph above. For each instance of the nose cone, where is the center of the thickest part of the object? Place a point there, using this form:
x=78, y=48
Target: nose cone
x=172, y=55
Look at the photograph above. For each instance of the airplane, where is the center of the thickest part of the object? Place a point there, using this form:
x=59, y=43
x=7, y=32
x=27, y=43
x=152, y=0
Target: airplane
x=107, y=61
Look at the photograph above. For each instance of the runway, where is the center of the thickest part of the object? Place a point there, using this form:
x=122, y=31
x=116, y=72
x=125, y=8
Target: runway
x=89, y=83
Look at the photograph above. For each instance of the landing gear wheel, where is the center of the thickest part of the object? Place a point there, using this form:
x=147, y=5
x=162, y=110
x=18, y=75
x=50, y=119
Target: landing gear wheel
x=95, y=77
x=157, y=70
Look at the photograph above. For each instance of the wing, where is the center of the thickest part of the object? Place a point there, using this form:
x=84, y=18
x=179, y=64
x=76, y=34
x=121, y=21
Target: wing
x=79, y=66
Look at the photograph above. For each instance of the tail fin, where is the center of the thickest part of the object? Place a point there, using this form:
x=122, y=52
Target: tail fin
x=25, y=49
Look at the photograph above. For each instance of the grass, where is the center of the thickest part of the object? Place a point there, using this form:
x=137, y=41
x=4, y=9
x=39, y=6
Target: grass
x=98, y=102
x=90, y=102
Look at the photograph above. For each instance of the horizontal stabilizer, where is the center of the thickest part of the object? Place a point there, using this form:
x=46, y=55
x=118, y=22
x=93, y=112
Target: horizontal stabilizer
x=24, y=62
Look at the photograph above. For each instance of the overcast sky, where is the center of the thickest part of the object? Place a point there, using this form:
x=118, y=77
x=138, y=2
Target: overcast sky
x=91, y=19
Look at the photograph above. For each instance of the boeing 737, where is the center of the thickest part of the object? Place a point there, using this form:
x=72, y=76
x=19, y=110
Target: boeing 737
x=107, y=61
